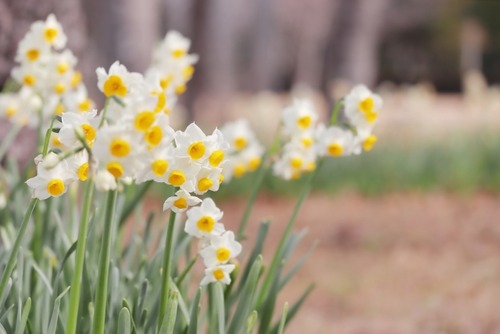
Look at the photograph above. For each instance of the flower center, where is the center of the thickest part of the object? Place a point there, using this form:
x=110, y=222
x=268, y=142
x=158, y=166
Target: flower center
x=83, y=171
x=216, y=158
x=114, y=86
x=253, y=164
x=204, y=184
x=50, y=35
x=179, y=90
x=296, y=162
x=76, y=78
x=239, y=170
x=307, y=141
x=144, y=120
x=188, y=72
x=196, y=150
x=222, y=254
x=62, y=68
x=29, y=80
x=59, y=88
x=240, y=143
x=85, y=105
x=178, y=53
x=55, y=187
x=154, y=135
x=366, y=106
x=159, y=167
x=369, y=142
x=32, y=54
x=304, y=122
x=115, y=168
x=177, y=178
x=205, y=224
x=88, y=132
x=218, y=274
x=335, y=149
x=180, y=203
x=119, y=148
x=161, y=102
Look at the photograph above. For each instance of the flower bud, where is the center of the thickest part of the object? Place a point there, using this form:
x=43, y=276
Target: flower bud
x=105, y=181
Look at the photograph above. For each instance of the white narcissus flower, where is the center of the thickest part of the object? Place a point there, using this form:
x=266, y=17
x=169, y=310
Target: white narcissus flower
x=207, y=179
x=32, y=49
x=51, y=182
x=50, y=31
x=238, y=134
x=218, y=274
x=78, y=100
x=30, y=75
x=74, y=124
x=182, y=173
x=156, y=164
x=203, y=220
x=362, y=107
x=217, y=146
x=300, y=116
x=118, y=81
x=335, y=141
x=80, y=165
x=220, y=249
x=180, y=202
x=192, y=143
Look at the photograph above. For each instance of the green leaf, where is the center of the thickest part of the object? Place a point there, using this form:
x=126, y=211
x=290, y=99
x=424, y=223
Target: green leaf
x=296, y=266
x=24, y=317
x=168, y=324
x=193, y=319
x=55, y=313
x=251, y=321
x=247, y=298
x=283, y=319
x=124, y=322
x=219, y=302
x=295, y=308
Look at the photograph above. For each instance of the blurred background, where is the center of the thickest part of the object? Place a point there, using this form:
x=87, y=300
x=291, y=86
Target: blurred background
x=408, y=233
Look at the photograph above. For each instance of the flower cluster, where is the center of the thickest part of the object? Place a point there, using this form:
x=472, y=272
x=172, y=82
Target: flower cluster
x=308, y=141
x=218, y=245
x=46, y=72
x=172, y=65
x=245, y=151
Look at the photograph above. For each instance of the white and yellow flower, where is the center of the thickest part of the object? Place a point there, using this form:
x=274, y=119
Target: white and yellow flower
x=192, y=143
x=300, y=116
x=220, y=249
x=218, y=274
x=76, y=124
x=183, y=173
x=50, y=32
x=117, y=81
x=50, y=182
x=203, y=220
x=207, y=179
x=362, y=107
x=180, y=202
x=335, y=141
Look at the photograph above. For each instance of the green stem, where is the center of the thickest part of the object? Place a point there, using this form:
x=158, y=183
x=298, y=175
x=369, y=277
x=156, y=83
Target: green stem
x=7, y=141
x=102, y=279
x=251, y=199
x=104, y=111
x=15, y=249
x=335, y=112
x=74, y=300
x=167, y=264
x=277, y=259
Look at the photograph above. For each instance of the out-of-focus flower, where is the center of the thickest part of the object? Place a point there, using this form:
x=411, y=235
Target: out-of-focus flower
x=218, y=274
x=220, y=249
x=52, y=182
x=203, y=220
x=180, y=202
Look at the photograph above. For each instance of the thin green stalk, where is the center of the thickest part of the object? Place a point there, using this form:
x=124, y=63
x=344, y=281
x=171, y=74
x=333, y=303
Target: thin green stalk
x=15, y=249
x=167, y=264
x=335, y=112
x=7, y=141
x=251, y=199
x=74, y=300
x=46, y=139
x=102, y=279
x=277, y=259
x=104, y=111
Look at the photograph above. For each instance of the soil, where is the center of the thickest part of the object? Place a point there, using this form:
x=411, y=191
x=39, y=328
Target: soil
x=401, y=263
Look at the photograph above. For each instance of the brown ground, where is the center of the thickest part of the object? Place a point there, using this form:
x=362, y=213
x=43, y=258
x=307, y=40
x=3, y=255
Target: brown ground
x=410, y=263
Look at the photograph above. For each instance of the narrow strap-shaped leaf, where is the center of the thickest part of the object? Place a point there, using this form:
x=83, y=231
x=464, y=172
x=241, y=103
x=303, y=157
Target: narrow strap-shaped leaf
x=219, y=302
x=295, y=308
x=140, y=301
x=283, y=319
x=24, y=317
x=55, y=313
x=6, y=312
x=168, y=323
x=246, y=299
x=193, y=318
x=251, y=321
x=296, y=266
x=124, y=322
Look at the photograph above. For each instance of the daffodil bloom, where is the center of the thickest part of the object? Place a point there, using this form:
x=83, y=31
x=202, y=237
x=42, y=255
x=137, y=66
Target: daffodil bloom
x=81, y=166
x=183, y=173
x=192, y=143
x=76, y=124
x=156, y=164
x=218, y=274
x=207, y=179
x=335, y=141
x=180, y=202
x=78, y=100
x=362, y=107
x=218, y=148
x=50, y=32
x=203, y=220
x=117, y=81
x=32, y=49
x=238, y=134
x=220, y=249
x=51, y=182
x=300, y=116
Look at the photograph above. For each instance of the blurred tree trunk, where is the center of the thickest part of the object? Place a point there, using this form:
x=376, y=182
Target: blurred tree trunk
x=356, y=35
